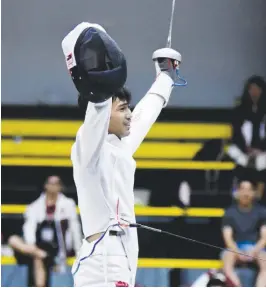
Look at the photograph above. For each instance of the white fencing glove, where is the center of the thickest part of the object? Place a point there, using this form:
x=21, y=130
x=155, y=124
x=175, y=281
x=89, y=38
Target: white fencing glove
x=167, y=60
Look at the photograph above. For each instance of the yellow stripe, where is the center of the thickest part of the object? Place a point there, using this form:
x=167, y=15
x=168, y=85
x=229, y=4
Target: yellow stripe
x=205, y=212
x=58, y=148
x=8, y=260
x=179, y=263
x=159, y=211
x=141, y=211
x=160, y=130
x=167, y=150
x=189, y=131
x=43, y=162
x=13, y=209
x=151, y=263
x=141, y=164
x=188, y=165
x=62, y=148
x=52, y=128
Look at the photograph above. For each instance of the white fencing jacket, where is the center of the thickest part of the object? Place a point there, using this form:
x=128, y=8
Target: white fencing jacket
x=104, y=168
x=65, y=210
x=103, y=165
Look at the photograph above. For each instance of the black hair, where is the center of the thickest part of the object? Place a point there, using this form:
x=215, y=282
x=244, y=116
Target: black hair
x=122, y=94
x=247, y=179
x=60, y=182
x=245, y=98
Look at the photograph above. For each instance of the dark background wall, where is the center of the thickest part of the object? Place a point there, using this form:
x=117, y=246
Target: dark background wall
x=222, y=43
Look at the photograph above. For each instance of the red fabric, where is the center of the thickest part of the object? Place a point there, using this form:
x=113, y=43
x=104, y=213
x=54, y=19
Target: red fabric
x=50, y=210
x=121, y=284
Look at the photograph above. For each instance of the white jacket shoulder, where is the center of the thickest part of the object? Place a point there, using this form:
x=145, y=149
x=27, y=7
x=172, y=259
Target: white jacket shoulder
x=35, y=204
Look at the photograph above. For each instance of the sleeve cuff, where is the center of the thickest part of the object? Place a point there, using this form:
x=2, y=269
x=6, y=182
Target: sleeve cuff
x=162, y=86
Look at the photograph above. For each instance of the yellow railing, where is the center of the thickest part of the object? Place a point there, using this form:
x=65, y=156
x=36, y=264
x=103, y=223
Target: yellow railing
x=62, y=148
x=141, y=164
x=69, y=128
x=148, y=211
x=142, y=211
x=151, y=263
x=159, y=131
x=44, y=151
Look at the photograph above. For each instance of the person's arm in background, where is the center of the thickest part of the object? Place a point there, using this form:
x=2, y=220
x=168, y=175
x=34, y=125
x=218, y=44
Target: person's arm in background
x=26, y=245
x=227, y=231
x=261, y=244
x=230, y=256
x=238, y=149
x=75, y=227
x=18, y=244
x=228, y=238
x=237, y=135
x=30, y=225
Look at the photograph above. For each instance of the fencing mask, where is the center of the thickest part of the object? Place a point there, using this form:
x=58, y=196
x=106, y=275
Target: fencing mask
x=95, y=62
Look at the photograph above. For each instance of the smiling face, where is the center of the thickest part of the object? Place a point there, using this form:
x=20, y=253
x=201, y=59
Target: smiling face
x=120, y=118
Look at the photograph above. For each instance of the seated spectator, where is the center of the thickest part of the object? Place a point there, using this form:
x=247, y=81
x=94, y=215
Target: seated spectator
x=50, y=231
x=248, y=147
x=244, y=230
x=30, y=255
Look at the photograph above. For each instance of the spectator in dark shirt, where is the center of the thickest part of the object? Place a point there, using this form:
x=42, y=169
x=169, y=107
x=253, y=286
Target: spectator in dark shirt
x=244, y=230
x=248, y=147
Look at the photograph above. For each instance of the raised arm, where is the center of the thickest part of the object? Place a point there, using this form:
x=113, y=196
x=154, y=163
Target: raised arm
x=93, y=132
x=148, y=109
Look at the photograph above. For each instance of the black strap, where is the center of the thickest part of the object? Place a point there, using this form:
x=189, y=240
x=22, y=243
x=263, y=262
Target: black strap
x=116, y=233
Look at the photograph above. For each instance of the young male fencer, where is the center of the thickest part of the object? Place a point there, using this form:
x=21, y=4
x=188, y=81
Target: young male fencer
x=103, y=166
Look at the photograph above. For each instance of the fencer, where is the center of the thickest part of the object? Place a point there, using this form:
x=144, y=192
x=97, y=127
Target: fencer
x=102, y=155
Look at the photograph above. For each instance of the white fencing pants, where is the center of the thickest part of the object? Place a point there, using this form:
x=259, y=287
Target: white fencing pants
x=103, y=263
